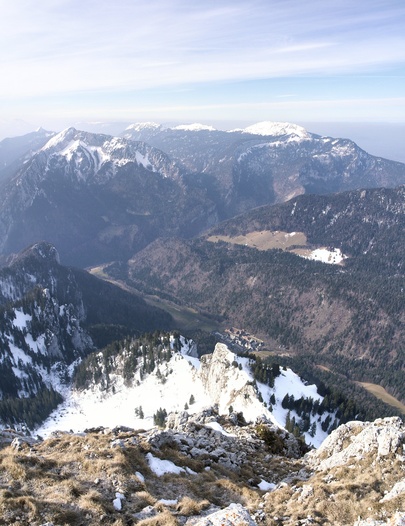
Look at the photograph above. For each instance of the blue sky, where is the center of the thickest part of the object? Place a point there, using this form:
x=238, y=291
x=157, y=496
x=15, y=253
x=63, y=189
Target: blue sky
x=212, y=61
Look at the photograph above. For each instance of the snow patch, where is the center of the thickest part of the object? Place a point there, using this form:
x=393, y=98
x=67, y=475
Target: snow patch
x=140, y=476
x=333, y=257
x=266, y=486
x=117, y=502
x=217, y=427
x=21, y=319
x=160, y=467
x=290, y=383
x=59, y=138
x=168, y=502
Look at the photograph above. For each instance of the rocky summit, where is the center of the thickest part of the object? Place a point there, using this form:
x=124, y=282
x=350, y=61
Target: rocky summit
x=204, y=470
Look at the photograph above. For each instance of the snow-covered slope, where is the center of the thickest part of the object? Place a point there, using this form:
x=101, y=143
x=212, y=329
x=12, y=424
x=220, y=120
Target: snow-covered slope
x=41, y=322
x=221, y=379
x=87, y=193
x=142, y=131
x=142, y=126
x=49, y=318
x=276, y=129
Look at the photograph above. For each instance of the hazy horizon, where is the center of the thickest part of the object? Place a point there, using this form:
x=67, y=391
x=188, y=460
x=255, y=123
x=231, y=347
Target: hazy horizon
x=212, y=61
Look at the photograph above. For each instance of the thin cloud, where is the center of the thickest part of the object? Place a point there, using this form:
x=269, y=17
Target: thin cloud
x=64, y=48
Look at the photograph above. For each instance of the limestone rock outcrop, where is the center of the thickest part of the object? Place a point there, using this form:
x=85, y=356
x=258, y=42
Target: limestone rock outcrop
x=354, y=440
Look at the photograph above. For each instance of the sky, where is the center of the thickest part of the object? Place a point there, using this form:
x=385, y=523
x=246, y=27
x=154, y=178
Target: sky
x=221, y=62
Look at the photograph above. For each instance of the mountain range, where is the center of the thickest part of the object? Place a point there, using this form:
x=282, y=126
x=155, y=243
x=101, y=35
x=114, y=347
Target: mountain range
x=121, y=414
x=263, y=202
x=99, y=198
x=14, y=151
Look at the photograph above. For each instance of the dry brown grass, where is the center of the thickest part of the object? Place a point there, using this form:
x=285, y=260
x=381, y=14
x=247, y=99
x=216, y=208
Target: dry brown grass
x=11, y=466
x=163, y=519
x=188, y=506
x=381, y=393
x=225, y=491
x=94, y=502
x=265, y=239
x=339, y=497
x=141, y=499
x=23, y=504
x=72, y=480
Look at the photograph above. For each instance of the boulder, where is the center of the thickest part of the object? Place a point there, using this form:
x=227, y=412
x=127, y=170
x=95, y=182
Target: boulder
x=233, y=515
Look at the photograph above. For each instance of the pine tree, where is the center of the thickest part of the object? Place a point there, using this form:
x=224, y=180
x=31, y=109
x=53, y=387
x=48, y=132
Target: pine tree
x=312, y=431
x=159, y=418
x=139, y=412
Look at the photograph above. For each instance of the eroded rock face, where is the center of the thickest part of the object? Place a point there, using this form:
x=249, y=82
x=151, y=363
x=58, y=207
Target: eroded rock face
x=356, y=477
x=226, y=384
x=354, y=440
x=397, y=489
x=202, y=437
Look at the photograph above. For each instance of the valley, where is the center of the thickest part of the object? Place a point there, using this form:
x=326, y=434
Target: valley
x=202, y=263
x=196, y=228
x=184, y=318
x=160, y=350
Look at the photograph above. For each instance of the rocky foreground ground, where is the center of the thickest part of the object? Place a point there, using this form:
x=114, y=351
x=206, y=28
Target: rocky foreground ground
x=205, y=470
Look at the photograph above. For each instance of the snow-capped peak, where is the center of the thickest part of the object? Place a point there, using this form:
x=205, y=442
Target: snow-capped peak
x=60, y=138
x=194, y=127
x=269, y=128
x=142, y=126
x=93, y=156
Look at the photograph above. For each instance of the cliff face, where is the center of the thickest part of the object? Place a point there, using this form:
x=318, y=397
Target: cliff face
x=228, y=385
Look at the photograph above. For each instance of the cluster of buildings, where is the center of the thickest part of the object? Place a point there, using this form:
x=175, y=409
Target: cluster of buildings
x=240, y=340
